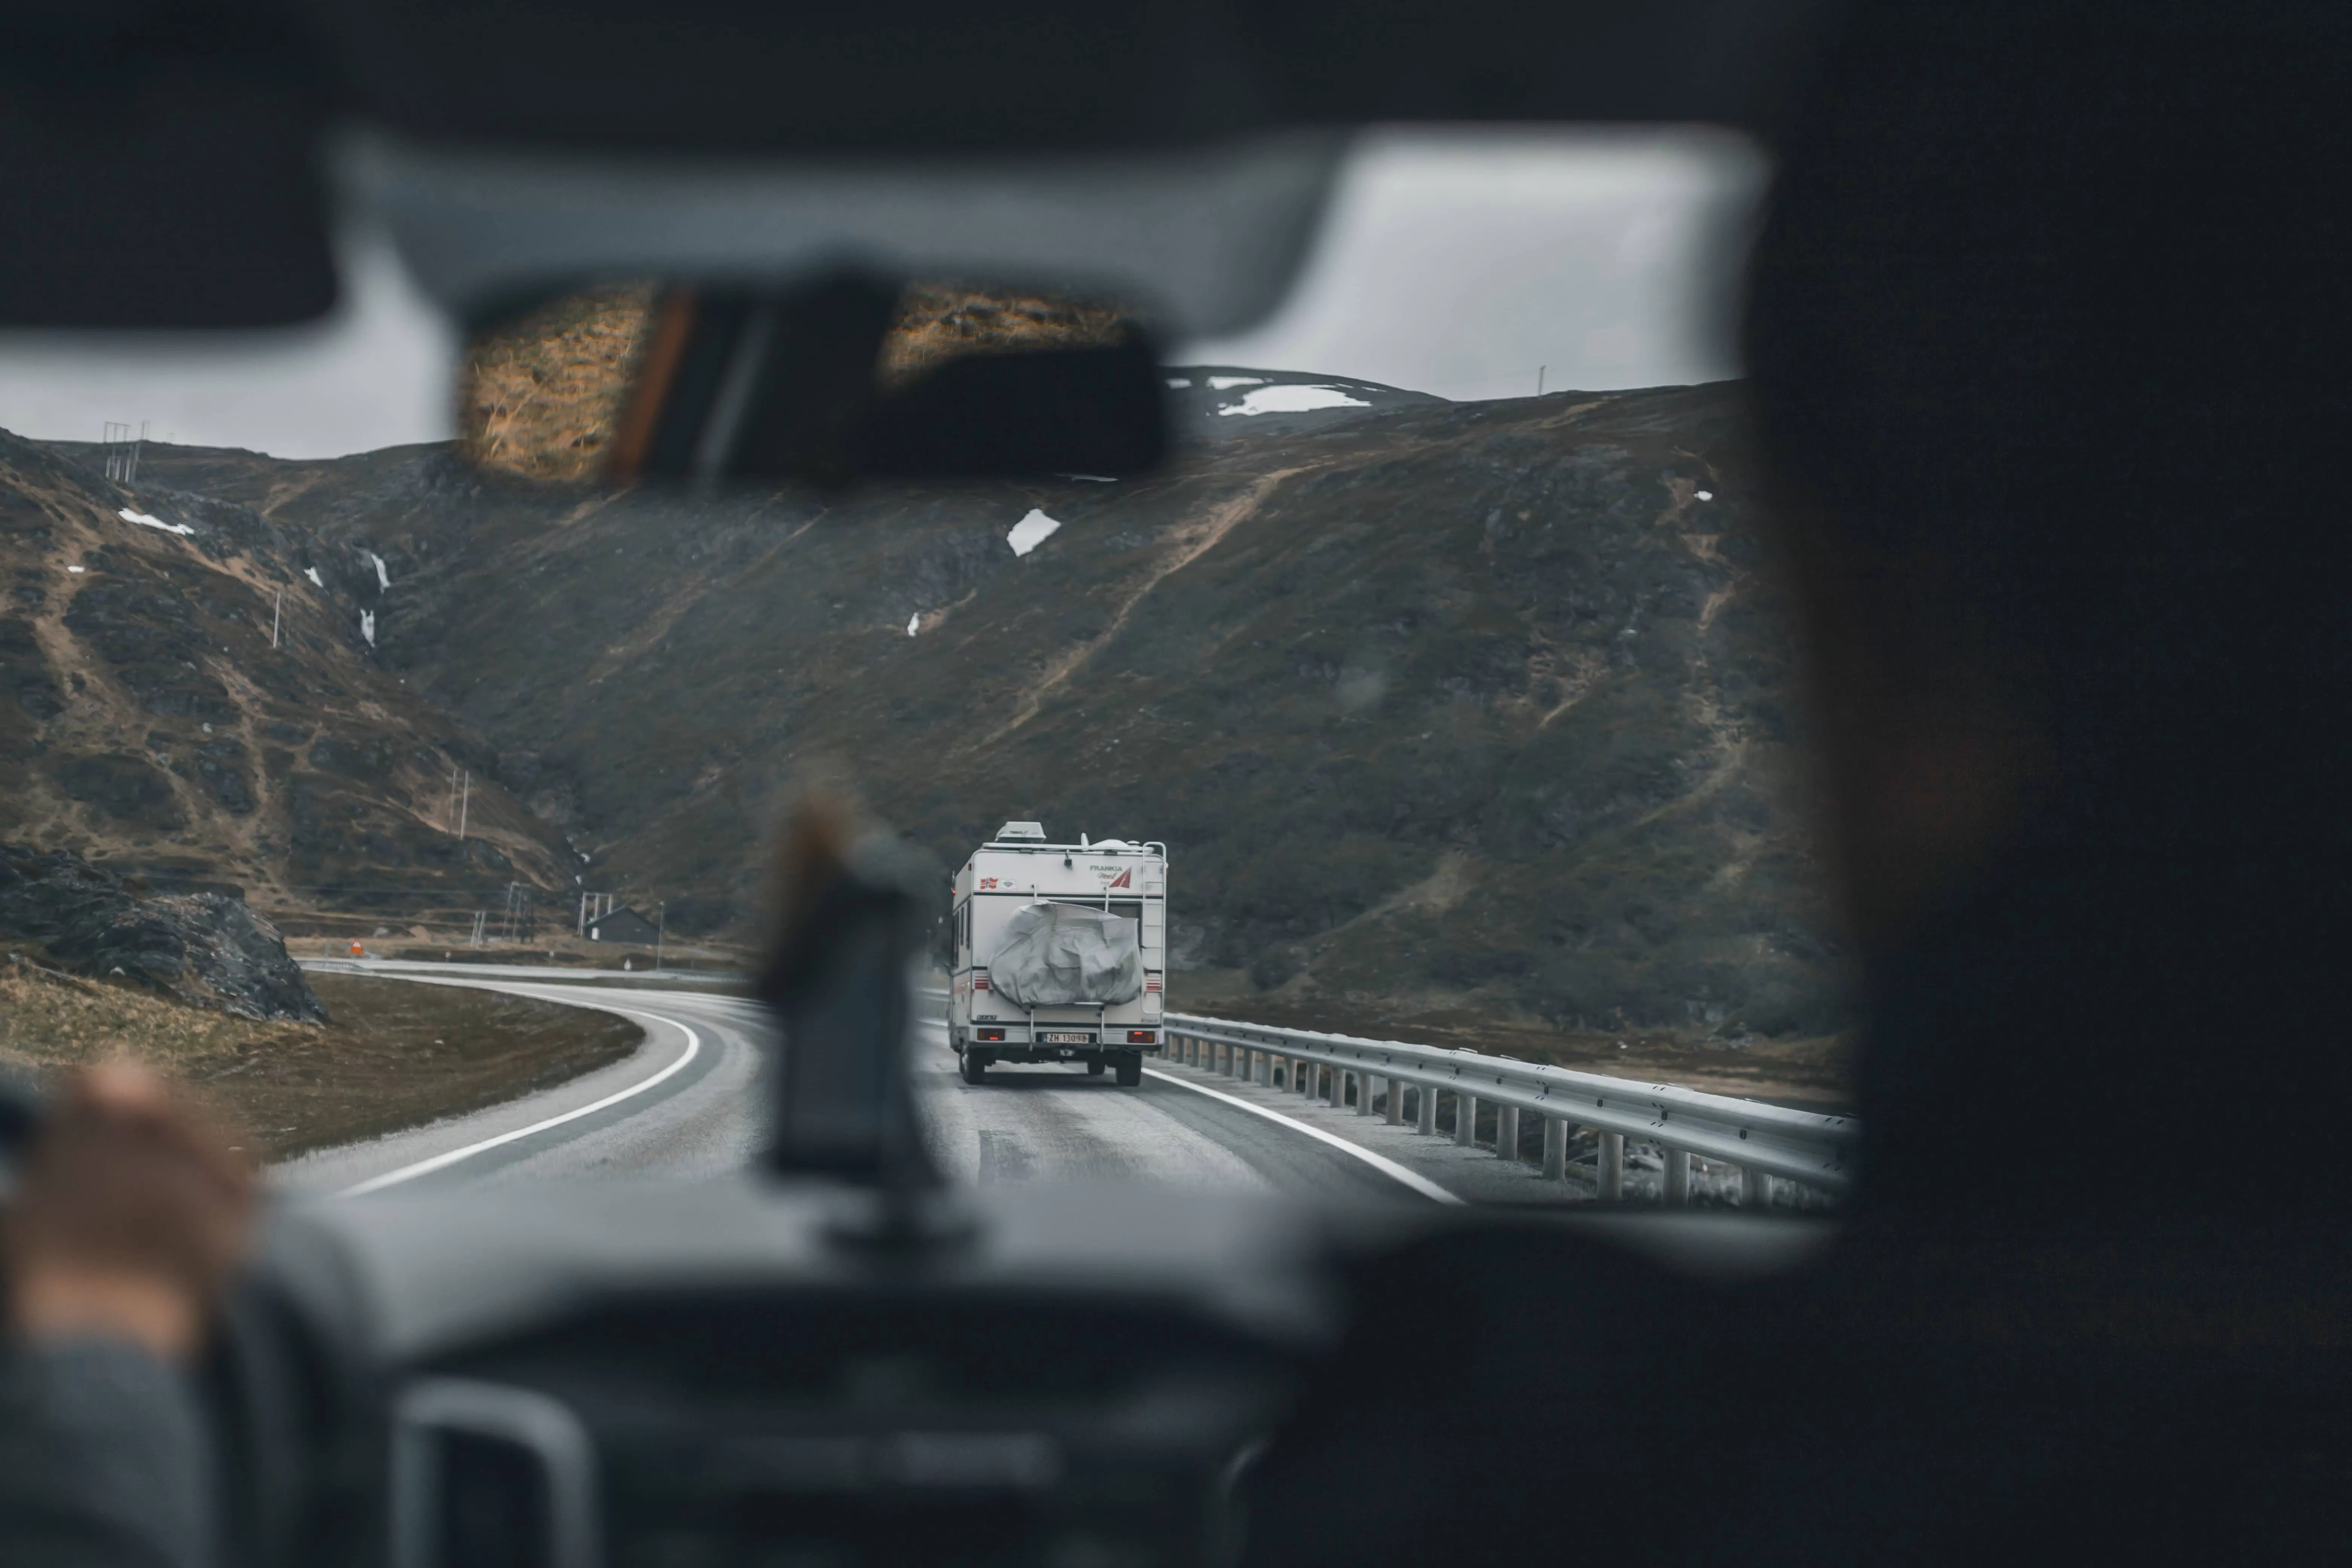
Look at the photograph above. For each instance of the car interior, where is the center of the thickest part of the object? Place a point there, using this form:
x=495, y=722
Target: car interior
x=2045, y=333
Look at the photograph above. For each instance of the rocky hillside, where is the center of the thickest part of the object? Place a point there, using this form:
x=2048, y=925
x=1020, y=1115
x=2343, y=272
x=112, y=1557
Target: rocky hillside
x=205, y=949
x=1444, y=710
x=150, y=722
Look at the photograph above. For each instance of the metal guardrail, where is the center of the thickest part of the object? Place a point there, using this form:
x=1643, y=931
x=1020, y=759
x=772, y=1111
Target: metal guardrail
x=1762, y=1141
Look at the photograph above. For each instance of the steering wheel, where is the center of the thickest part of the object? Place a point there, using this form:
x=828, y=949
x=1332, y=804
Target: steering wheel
x=296, y=1425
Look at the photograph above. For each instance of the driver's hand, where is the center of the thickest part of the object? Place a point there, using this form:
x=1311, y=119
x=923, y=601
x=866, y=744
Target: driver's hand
x=131, y=1213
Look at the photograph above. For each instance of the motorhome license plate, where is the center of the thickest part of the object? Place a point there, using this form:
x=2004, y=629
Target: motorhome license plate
x=1068, y=1039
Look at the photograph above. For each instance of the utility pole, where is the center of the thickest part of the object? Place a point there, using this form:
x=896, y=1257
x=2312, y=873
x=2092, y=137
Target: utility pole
x=138, y=450
x=593, y=907
x=1539, y=373
x=465, y=798
x=660, y=931
x=276, y=614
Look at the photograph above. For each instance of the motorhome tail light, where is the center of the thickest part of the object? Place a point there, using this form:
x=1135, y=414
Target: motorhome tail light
x=992, y=1034
x=1140, y=1037
x=980, y=982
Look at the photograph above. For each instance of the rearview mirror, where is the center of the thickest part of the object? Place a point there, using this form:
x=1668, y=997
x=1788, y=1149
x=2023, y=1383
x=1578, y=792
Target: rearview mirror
x=835, y=380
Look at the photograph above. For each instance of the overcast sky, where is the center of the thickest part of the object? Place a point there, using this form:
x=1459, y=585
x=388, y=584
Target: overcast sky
x=1464, y=264
x=1457, y=264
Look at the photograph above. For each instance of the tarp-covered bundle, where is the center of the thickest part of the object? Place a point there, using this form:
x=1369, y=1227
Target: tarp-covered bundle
x=1057, y=955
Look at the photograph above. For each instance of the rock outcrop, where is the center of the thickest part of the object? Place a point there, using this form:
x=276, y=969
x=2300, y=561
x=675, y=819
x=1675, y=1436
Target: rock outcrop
x=206, y=948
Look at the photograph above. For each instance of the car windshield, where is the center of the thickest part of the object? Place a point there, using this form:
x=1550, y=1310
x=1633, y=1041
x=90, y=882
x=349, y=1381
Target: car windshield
x=1436, y=692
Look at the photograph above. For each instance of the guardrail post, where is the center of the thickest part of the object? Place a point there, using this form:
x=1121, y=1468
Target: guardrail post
x=1310, y=1076
x=1367, y=1087
x=1396, y=1102
x=1506, y=1131
x=1612, y=1188
x=1338, y=1087
x=1465, y=1119
x=1555, y=1165
x=1677, y=1177
x=1425, y=1112
x=1755, y=1188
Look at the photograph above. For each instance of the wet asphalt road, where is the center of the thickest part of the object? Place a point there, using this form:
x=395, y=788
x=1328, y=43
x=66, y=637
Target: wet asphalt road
x=687, y=1105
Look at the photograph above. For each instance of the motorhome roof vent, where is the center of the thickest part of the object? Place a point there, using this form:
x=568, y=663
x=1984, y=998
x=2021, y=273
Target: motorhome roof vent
x=1034, y=832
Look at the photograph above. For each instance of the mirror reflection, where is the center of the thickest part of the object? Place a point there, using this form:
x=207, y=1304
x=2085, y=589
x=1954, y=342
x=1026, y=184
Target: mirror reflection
x=830, y=380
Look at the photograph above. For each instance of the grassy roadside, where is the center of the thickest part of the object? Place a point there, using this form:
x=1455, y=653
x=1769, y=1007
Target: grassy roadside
x=393, y=1054
x=1808, y=1073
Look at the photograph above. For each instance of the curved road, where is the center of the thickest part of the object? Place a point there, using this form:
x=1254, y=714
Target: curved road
x=687, y=1104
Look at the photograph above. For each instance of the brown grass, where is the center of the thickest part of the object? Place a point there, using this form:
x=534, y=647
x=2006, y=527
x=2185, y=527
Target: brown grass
x=1812, y=1073
x=396, y=1054
x=541, y=395
x=938, y=322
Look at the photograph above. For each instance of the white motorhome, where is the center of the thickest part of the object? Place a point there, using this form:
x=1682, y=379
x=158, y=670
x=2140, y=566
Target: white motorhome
x=1012, y=890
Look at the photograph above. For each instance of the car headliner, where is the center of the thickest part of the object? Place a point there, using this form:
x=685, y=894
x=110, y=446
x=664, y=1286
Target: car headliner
x=169, y=164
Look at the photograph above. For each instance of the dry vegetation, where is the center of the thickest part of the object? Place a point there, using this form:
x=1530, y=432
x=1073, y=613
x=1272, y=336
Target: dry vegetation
x=540, y=397
x=1810, y=1072
x=940, y=322
x=394, y=1053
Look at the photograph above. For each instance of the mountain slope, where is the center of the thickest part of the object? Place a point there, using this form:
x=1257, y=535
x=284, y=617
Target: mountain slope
x=1478, y=709
x=150, y=724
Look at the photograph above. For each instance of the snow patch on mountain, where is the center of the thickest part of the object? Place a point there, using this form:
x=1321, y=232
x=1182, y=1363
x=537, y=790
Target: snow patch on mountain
x=144, y=520
x=1032, y=531
x=1291, y=400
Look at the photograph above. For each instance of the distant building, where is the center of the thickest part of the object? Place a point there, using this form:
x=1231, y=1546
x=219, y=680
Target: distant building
x=624, y=925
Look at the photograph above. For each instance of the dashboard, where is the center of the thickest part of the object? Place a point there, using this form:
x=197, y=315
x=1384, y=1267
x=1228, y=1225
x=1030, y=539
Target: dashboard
x=751, y=1372
x=798, y=1374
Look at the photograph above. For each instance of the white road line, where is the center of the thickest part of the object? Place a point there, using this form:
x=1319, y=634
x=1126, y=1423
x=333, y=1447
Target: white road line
x=1385, y=1166
x=442, y=1162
